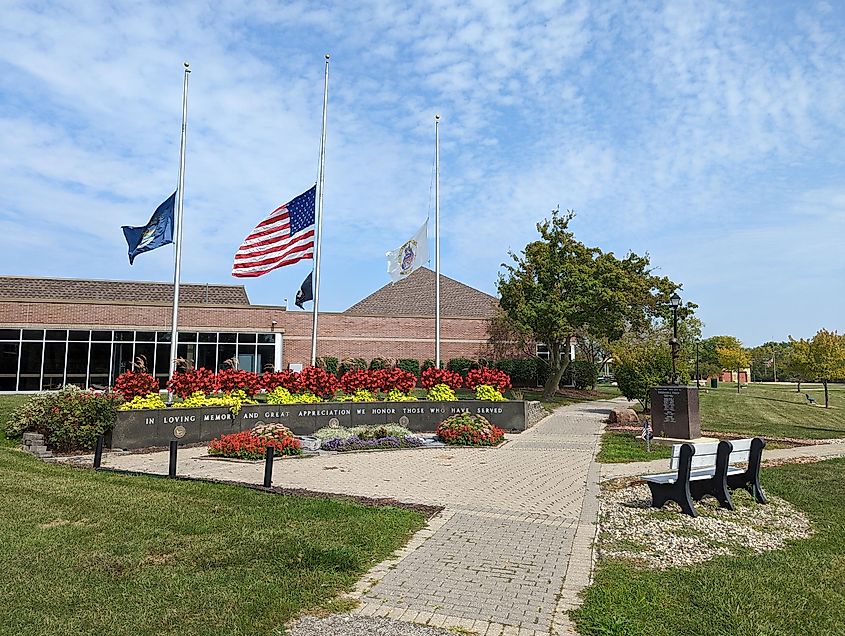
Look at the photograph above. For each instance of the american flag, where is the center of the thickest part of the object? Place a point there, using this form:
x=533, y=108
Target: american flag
x=285, y=237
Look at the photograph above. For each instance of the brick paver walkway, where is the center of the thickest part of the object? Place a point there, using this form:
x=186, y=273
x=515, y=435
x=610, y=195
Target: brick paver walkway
x=512, y=548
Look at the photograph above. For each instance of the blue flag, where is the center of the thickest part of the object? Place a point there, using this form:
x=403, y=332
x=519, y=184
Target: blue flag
x=157, y=232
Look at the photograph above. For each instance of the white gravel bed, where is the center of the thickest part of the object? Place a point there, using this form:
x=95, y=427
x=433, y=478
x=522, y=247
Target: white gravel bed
x=655, y=538
x=356, y=625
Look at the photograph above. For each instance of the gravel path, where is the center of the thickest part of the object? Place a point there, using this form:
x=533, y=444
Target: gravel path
x=357, y=625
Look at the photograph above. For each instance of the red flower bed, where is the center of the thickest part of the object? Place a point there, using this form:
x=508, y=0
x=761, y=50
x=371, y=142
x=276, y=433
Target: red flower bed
x=358, y=380
x=398, y=379
x=492, y=377
x=184, y=384
x=318, y=381
x=465, y=429
x=286, y=379
x=433, y=376
x=229, y=380
x=130, y=384
x=246, y=445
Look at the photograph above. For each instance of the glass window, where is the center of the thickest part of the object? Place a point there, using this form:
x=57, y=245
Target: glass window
x=100, y=360
x=33, y=334
x=163, y=336
x=246, y=337
x=266, y=358
x=225, y=352
x=266, y=338
x=124, y=336
x=207, y=357
x=146, y=352
x=9, y=365
x=122, y=357
x=188, y=352
x=79, y=335
x=30, y=377
x=54, y=365
x=162, y=365
x=101, y=335
x=208, y=337
x=188, y=337
x=57, y=334
x=228, y=337
x=98, y=382
x=145, y=336
x=77, y=359
x=10, y=334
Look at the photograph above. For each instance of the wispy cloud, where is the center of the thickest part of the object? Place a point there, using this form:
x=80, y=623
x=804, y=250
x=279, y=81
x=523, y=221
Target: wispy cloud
x=696, y=131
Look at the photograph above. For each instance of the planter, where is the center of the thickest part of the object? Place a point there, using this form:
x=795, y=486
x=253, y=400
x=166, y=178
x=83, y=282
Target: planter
x=142, y=429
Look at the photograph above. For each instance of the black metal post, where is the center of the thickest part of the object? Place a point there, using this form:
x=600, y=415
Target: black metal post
x=98, y=451
x=268, y=466
x=674, y=344
x=171, y=470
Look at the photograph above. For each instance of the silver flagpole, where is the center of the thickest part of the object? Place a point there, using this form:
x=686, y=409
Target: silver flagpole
x=178, y=229
x=437, y=241
x=321, y=174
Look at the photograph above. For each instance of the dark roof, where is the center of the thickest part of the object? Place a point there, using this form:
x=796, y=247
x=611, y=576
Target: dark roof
x=414, y=296
x=73, y=289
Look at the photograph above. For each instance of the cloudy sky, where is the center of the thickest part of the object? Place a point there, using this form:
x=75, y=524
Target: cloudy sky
x=708, y=134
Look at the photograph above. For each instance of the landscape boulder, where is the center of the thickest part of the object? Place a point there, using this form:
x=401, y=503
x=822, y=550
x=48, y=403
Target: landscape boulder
x=623, y=416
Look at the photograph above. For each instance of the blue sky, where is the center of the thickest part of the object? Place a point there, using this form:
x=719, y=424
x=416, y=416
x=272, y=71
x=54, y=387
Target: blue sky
x=708, y=134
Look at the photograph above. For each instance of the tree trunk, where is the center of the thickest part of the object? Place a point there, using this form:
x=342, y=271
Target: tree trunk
x=799, y=386
x=737, y=379
x=557, y=371
x=825, y=393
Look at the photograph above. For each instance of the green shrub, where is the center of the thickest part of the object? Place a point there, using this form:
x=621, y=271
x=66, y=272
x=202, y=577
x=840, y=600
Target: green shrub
x=527, y=372
x=360, y=395
x=487, y=392
x=428, y=363
x=461, y=365
x=70, y=419
x=377, y=431
x=328, y=363
x=280, y=395
x=377, y=364
x=409, y=365
x=395, y=395
x=332, y=432
x=352, y=364
x=151, y=401
x=441, y=392
x=585, y=374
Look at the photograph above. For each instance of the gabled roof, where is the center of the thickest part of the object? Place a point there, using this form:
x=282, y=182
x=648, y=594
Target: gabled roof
x=414, y=296
x=73, y=289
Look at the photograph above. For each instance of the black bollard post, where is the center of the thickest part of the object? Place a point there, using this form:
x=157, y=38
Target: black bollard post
x=268, y=466
x=98, y=451
x=171, y=471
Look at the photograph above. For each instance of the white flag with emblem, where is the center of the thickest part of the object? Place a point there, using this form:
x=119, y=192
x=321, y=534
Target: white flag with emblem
x=412, y=255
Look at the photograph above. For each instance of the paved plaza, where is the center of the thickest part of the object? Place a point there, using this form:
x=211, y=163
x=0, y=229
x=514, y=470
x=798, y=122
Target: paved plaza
x=513, y=545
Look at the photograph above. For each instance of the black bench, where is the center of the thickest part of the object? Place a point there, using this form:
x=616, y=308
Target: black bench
x=709, y=469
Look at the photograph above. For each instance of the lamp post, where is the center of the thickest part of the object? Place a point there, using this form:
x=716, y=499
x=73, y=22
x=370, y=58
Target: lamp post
x=675, y=302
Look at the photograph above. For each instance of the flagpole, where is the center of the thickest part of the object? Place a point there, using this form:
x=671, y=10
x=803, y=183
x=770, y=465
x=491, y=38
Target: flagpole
x=178, y=229
x=437, y=241
x=320, y=179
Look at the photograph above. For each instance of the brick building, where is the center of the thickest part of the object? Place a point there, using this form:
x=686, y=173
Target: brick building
x=67, y=331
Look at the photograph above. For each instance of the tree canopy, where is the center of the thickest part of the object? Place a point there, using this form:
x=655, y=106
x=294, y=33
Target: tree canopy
x=558, y=289
x=822, y=358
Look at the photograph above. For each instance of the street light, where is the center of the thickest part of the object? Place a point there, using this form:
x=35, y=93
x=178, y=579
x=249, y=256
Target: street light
x=675, y=302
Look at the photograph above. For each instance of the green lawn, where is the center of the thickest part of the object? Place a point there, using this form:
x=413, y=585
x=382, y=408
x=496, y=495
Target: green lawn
x=776, y=410
x=621, y=446
x=99, y=553
x=9, y=403
x=793, y=591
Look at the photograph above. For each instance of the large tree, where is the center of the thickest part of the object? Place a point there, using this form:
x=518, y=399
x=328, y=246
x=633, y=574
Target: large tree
x=823, y=357
x=558, y=289
x=735, y=358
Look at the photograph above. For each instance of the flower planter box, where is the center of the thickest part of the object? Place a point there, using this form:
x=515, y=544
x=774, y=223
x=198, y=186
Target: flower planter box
x=142, y=429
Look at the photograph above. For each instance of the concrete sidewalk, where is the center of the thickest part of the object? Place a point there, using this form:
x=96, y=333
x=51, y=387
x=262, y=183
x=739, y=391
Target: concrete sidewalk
x=510, y=551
